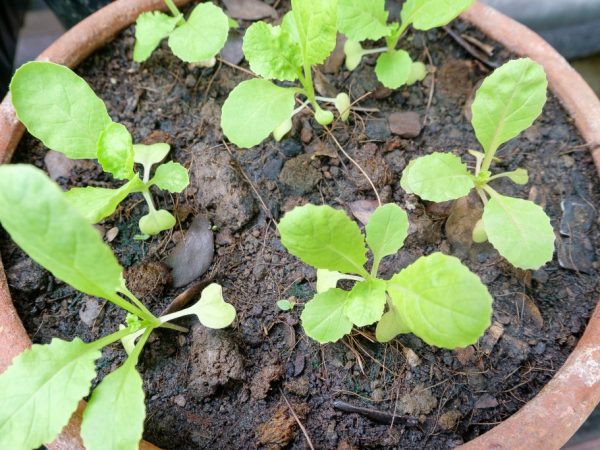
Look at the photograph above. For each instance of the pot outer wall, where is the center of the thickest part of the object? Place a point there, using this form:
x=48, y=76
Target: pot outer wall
x=545, y=422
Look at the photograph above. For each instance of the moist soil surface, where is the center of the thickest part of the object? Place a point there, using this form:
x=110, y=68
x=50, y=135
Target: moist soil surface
x=235, y=388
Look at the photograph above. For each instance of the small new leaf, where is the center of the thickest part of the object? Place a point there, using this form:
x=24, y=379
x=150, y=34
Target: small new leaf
x=393, y=68
x=324, y=238
x=148, y=155
x=386, y=230
x=172, y=177
x=156, y=221
x=428, y=14
x=390, y=325
x=363, y=19
x=323, y=318
x=327, y=279
x=212, y=310
x=41, y=389
x=115, y=151
x=366, y=302
x=151, y=28
x=437, y=177
x=520, y=230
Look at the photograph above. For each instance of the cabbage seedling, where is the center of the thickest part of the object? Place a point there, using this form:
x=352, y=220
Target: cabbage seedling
x=286, y=52
x=59, y=108
x=507, y=103
x=360, y=20
x=437, y=298
x=195, y=40
x=43, y=386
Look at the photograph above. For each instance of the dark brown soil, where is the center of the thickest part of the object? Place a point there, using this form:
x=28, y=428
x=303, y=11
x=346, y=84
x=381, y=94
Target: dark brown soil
x=234, y=388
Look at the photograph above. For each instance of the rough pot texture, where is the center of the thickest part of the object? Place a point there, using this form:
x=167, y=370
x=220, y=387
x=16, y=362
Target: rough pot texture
x=549, y=419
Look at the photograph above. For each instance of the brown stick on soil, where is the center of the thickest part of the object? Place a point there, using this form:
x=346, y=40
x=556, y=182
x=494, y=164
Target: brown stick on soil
x=374, y=414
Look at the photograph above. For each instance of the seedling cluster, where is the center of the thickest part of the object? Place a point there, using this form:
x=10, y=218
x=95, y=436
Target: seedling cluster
x=59, y=108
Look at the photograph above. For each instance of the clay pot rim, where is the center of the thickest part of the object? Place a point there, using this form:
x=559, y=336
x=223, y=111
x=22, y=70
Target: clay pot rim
x=546, y=421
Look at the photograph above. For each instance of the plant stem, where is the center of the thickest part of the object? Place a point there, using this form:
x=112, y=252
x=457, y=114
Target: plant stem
x=121, y=303
x=135, y=300
x=488, y=158
x=114, y=337
x=148, y=199
x=482, y=196
x=375, y=267
x=372, y=51
x=172, y=8
x=135, y=354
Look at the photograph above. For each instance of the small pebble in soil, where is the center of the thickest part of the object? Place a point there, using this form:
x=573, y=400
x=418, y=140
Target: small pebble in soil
x=299, y=174
x=491, y=337
x=449, y=419
x=377, y=129
x=27, y=276
x=419, y=401
x=90, y=310
x=405, y=124
x=291, y=147
x=486, y=401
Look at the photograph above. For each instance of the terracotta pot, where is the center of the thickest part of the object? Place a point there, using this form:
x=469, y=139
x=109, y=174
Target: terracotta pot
x=545, y=422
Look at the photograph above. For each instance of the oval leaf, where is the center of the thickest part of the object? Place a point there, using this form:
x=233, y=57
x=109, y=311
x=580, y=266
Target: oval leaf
x=520, y=230
x=393, y=68
x=151, y=28
x=271, y=52
x=148, y=155
x=202, y=36
x=115, y=151
x=114, y=417
x=428, y=14
x=172, y=177
x=41, y=389
x=316, y=24
x=253, y=110
x=386, y=230
x=156, y=221
x=390, y=326
x=442, y=301
x=508, y=102
x=324, y=238
x=59, y=108
x=323, y=318
x=212, y=310
x=41, y=221
x=327, y=279
x=366, y=302
x=437, y=177
x=363, y=19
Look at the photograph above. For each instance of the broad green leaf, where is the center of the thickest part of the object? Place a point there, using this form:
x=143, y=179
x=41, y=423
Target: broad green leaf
x=354, y=53
x=114, y=417
x=442, y=301
x=156, y=221
x=393, y=68
x=316, y=22
x=41, y=221
x=59, y=108
x=428, y=14
x=418, y=72
x=362, y=19
x=327, y=279
x=254, y=109
x=171, y=176
x=147, y=155
x=271, y=52
x=520, y=230
x=115, y=151
x=41, y=389
x=366, y=302
x=437, y=177
x=390, y=325
x=323, y=318
x=202, y=36
x=324, y=238
x=151, y=28
x=386, y=230
x=212, y=310
x=95, y=203
x=508, y=102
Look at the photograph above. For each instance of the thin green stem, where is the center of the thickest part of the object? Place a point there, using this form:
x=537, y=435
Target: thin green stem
x=172, y=8
x=149, y=201
x=136, y=301
x=375, y=267
x=372, y=51
x=122, y=303
x=482, y=196
x=171, y=326
x=488, y=158
x=393, y=40
x=135, y=354
x=114, y=337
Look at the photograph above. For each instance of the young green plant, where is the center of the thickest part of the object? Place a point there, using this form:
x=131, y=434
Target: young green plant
x=42, y=388
x=59, y=108
x=507, y=103
x=360, y=20
x=437, y=298
x=287, y=53
x=195, y=40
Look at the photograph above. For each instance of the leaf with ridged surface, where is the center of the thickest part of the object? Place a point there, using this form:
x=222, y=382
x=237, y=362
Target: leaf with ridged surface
x=151, y=28
x=428, y=14
x=316, y=23
x=323, y=318
x=363, y=19
x=386, y=230
x=366, y=302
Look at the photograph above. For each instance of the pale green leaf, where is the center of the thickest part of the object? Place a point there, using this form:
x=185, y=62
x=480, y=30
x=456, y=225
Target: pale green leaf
x=418, y=72
x=324, y=238
x=202, y=36
x=271, y=52
x=362, y=19
x=285, y=305
x=147, y=155
x=156, y=221
x=508, y=102
x=517, y=176
x=323, y=318
x=386, y=230
x=393, y=68
x=437, y=177
x=171, y=176
x=316, y=23
x=520, y=230
x=59, y=108
x=281, y=130
x=115, y=151
x=442, y=301
x=428, y=14
x=366, y=302
x=354, y=53
x=114, y=416
x=41, y=221
x=151, y=28
x=479, y=234
x=41, y=389
x=323, y=116
x=342, y=104
x=390, y=325
x=254, y=109
x=327, y=279
x=212, y=310
x=95, y=203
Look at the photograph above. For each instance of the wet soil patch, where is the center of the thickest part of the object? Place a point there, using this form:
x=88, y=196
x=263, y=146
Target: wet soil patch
x=236, y=388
